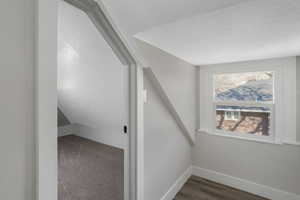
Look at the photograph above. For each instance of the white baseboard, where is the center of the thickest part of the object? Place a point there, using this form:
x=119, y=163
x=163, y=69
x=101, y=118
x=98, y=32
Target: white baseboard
x=175, y=188
x=115, y=140
x=71, y=129
x=248, y=186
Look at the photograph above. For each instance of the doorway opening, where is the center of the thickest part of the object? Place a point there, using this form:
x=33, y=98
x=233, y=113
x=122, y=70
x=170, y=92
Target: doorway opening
x=94, y=115
x=92, y=111
x=46, y=98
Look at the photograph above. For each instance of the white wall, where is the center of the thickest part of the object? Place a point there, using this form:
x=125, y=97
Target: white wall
x=90, y=78
x=177, y=78
x=17, y=100
x=273, y=165
x=167, y=151
x=276, y=166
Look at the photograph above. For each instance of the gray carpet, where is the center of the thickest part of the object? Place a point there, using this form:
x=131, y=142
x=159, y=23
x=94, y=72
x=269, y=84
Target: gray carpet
x=201, y=189
x=88, y=170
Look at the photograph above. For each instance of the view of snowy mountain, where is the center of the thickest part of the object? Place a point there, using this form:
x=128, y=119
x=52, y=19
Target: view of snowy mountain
x=250, y=87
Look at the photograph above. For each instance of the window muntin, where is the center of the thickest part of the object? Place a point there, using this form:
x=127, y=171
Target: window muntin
x=232, y=115
x=243, y=103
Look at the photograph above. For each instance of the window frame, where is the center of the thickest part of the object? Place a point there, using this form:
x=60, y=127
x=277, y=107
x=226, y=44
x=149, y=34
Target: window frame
x=232, y=115
x=269, y=105
x=276, y=125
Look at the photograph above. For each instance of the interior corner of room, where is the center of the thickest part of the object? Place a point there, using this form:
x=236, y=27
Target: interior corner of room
x=150, y=100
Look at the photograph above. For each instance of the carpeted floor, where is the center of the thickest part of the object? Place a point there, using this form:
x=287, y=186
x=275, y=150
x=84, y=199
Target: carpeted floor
x=88, y=170
x=201, y=189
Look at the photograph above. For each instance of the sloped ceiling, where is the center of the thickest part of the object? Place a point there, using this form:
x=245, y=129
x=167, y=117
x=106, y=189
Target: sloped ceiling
x=139, y=15
x=213, y=31
x=90, y=76
x=135, y=16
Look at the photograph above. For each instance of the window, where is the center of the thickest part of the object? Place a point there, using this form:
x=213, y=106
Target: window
x=243, y=103
x=252, y=100
x=232, y=115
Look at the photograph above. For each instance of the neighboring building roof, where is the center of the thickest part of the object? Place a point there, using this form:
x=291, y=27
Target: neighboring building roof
x=243, y=109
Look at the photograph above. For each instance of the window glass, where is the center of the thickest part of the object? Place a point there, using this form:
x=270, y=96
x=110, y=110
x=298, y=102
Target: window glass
x=243, y=120
x=244, y=87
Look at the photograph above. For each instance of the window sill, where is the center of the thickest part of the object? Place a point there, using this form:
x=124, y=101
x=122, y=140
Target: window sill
x=239, y=138
x=291, y=143
x=249, y=139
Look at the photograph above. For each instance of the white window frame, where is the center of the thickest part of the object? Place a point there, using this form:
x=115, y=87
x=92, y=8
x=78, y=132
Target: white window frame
x=276, y=125
x=232, y=115
x=46, y=105
x=271, y=105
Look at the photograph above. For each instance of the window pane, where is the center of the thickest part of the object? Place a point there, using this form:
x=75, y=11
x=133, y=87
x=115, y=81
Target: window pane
x=250, y=120
x=236, y=115
x=228, y=115
x=250, y=87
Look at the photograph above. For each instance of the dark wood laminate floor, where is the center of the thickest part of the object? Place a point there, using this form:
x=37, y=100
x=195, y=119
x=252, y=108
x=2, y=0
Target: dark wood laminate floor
x=89, y=170
x=201, y=189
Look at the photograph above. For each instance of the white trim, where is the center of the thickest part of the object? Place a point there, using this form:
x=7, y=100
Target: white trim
x=281, y=128
x=190, y=136
x=131, y=48
x=176, y=187
x=140, y=134
x=291, y=143
x=243, y=110
x=260, y=140
x=244, y=104
x=46, y=98
x=285, y=142
x=104, y=139
x=245, y=185
x=271, y=105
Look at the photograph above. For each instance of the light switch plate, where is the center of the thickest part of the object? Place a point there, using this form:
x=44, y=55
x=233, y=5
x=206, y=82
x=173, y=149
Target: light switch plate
x=145, y=96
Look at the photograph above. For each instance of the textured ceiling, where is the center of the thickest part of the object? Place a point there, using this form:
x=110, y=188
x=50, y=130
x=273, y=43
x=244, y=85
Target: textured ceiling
x=139, y=15
x=251, y=30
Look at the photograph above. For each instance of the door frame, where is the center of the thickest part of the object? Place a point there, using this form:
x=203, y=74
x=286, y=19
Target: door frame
x=46, y=97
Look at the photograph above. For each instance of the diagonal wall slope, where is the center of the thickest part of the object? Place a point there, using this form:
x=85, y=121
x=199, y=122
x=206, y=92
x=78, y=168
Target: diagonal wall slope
x=90, y=78
x=177, y=80
x=167, y=151
x=168, y=104
x=62, y=120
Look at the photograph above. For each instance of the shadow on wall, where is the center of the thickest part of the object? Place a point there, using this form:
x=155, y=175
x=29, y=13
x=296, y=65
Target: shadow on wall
x=62, y=119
